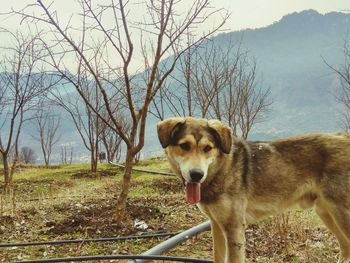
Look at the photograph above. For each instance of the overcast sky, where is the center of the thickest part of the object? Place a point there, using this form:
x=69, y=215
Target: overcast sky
x=244, y=13
x=259, y=13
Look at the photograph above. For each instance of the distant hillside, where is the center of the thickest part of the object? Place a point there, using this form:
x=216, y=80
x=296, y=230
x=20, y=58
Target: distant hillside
x=289, y=56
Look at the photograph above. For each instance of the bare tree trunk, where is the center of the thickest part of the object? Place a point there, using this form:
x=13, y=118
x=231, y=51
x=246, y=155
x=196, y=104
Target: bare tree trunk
x=122, y=198
x=94, y=160
x=109, y=155
x=7, y=175
x=117, y=155
x=14, y=164
x=16, y=155
x=71, y=156
x=93, y=165
x=137, y=157
x=95, y=145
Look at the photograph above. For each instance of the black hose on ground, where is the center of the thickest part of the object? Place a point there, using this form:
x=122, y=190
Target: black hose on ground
x=142, y=170
x=91, y=240
x=120, y=257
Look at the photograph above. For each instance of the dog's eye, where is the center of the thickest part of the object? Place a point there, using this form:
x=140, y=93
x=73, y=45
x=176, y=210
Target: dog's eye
x=185, y=146
x=207, y=148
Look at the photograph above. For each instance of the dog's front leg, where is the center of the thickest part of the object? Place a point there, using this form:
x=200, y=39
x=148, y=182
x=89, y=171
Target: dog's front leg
x=235, y=242
x=219, y=242
x=234, y=231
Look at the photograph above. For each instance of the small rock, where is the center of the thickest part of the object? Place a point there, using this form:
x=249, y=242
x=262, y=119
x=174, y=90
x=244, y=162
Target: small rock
x=139, y=224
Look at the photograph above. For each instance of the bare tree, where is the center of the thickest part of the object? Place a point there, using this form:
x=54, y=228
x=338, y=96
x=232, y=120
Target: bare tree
x=85, y=120
x=230, y=99
x=161, y=28
x=216, y=82
x=20, y=86
x=198, y=79
x=254, y=101
x=208, y=79
x=242, y=103
x=47, y=130
x=344, y=94
x=66, y=154
x=180, y=100
x=27, y=155
x=112, y=142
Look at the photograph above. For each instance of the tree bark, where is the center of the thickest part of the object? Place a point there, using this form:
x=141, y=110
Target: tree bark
x=94, y=161
x=122, y=198
x=7, y=175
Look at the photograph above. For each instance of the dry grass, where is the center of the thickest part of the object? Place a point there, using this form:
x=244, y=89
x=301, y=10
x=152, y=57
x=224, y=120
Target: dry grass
x=50, y=204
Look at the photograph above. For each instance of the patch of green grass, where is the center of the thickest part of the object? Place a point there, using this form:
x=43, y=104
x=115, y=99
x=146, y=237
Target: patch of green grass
x=144, y=189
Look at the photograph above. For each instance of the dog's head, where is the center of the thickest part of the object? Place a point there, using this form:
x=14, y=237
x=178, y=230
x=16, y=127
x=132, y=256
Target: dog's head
x=193, y=146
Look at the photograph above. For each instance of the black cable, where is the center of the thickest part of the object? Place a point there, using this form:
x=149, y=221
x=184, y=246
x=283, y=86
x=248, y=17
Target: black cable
x=144, y=171
x=109, y=257
x=91, y=240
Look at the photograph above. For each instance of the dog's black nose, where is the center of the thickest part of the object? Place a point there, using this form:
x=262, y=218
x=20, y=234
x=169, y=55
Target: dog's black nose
x=196, y=175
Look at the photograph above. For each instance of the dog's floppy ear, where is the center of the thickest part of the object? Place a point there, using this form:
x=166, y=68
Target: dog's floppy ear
x=167, y=128
x=222, y=133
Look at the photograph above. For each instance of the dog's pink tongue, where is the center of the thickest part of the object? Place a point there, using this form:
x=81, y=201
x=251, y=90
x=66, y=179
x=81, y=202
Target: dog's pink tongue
x=193, y=193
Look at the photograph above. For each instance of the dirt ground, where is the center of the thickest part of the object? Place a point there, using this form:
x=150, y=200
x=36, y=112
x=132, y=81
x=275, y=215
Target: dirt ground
x=69, y=203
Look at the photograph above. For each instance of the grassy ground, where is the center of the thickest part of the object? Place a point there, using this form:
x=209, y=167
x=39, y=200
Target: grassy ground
x=66, y=202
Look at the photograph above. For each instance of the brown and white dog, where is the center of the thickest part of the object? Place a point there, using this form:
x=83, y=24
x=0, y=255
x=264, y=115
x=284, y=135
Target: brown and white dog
x=236, y=182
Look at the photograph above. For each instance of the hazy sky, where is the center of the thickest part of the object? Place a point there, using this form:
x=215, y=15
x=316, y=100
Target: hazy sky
x=258, y=13
x=244, y=13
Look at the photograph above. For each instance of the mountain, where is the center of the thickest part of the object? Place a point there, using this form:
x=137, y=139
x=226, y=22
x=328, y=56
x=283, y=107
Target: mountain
x=290, y=55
